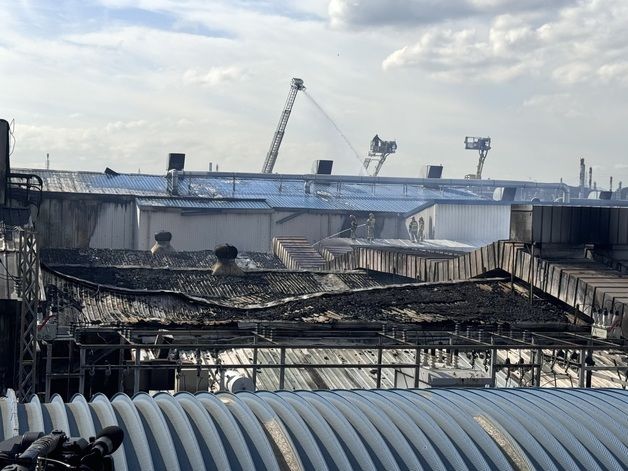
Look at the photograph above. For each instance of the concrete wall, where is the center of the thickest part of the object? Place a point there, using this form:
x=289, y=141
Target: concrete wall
x=66, y=221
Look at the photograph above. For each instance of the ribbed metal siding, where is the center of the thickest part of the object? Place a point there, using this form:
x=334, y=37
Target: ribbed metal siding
x=472, y=223
x=76, y=223
x=312, y=226
x=114, y=227
x=361, y=429
x=247, y=231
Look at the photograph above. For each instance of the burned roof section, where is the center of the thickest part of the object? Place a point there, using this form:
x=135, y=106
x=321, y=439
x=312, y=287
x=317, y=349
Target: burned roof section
x=203, y=259
x=254, y=288
x=482, y=301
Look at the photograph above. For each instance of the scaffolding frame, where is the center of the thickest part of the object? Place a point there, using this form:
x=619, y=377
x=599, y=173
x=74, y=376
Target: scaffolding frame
x=428, y=347
x=28, y=276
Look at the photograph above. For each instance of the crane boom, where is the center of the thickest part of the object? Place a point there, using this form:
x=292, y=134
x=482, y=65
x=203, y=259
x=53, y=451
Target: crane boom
x=271, y=157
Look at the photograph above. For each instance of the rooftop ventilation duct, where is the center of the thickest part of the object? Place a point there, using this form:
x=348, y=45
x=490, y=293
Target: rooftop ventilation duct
x=4, y=159
x=432, y=171
x=226, y=266
x=322, y=167
x=172, y=180
x=162, y=243
x=176, y=162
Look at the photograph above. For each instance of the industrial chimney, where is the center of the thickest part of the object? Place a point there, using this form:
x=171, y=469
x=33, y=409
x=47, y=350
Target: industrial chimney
x=162, y=243
x=582, y=174
x=226, y=266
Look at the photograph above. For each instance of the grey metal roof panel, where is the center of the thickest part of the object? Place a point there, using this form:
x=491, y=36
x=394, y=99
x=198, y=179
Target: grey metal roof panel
x=285, y=193
x=210, y=184
x=215, y=204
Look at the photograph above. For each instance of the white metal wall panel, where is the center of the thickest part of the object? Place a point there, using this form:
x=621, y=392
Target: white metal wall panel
x=428, y=215
x=246, y=231
x=472, y=223
x=312, y=226
x=114, y=227
x=82, y=223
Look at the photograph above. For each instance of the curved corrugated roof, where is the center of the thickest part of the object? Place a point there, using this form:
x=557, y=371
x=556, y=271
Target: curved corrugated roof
x=360, y=429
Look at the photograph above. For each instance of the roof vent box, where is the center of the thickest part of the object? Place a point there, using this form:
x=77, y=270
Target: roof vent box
x=176, y=162
x=322, y=167
x=432, y=171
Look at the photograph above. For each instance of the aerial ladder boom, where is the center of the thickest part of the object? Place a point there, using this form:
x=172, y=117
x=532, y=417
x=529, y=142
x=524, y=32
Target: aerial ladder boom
x=271, y=157
x=482, y=145
x=378, y=152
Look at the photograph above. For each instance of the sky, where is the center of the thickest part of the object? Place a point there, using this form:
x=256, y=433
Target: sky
x=121, y=83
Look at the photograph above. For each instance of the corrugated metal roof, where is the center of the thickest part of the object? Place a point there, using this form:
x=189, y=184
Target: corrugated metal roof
x=478, y=301
x=202, y=259
x=290, y=192
x=360, y=429
x=211, y=204
x=257, y=287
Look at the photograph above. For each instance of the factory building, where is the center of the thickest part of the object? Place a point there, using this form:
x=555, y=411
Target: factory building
x=204, y=209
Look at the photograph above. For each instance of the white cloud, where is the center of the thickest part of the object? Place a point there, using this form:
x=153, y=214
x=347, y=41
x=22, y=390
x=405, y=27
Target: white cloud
x=95, y=92
x=586, y=42
x=561, y=104
x=411, y=13
x=214, y=76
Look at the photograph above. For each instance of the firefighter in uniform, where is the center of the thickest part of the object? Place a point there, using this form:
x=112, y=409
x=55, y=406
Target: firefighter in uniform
x=370, y=227
x=414, y=230
x=354, y=226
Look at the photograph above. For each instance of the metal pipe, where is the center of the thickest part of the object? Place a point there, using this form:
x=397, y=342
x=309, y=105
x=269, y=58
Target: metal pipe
x=520, y=345
x=282, y=368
